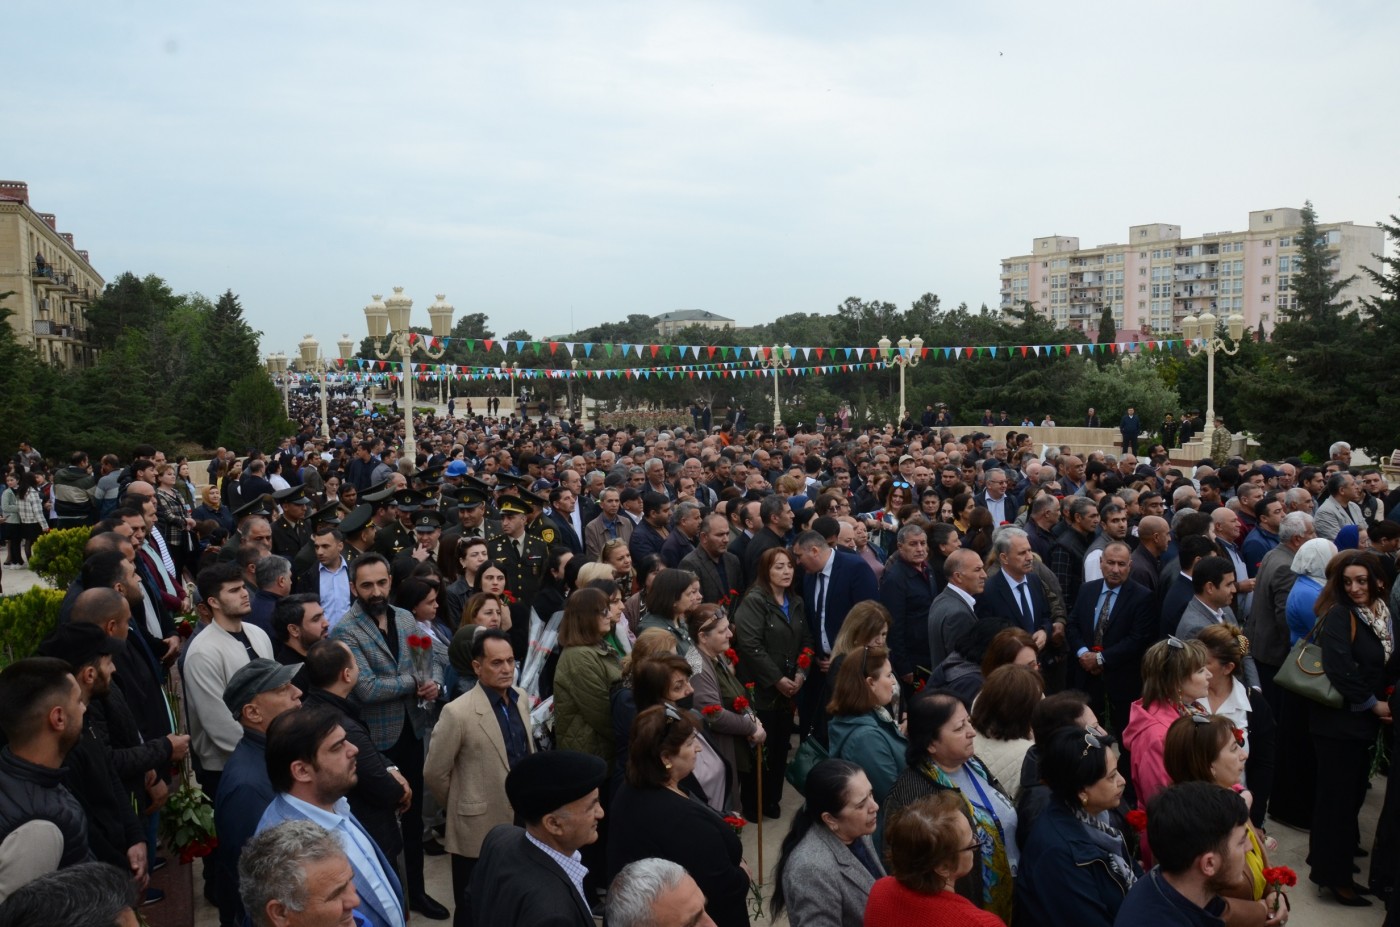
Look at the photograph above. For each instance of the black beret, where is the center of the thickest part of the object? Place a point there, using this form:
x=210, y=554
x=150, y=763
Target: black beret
x=547, y=781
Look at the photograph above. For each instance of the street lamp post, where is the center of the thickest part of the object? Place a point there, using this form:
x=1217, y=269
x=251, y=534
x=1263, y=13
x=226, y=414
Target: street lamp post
x=1200, y=336
x=277, y=366
x=777, y=358
x=318, y=366
x=574, y=365
x=507, y=367
x=389, y=319
x=911, y=351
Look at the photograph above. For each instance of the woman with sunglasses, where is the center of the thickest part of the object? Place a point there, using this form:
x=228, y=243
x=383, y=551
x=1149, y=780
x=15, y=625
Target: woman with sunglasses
x=653, y=816
x=931, y=849
x=1201, y=748
x=1076, y=866
x=772, y=633
x=940, y=758
x=716, y=687
x=1357, y=637
x=861, y=729
x=1175, y=676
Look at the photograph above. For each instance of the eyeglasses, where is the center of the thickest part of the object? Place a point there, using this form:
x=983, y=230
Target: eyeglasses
x=971, y=848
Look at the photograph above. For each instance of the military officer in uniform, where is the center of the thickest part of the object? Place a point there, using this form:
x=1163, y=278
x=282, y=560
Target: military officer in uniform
x=289, y=530
x=471, y=517
x=358, y=530
x=536, y=524
x=522, y=557
x=427, y=530
x=257, y=507
x=397, y=537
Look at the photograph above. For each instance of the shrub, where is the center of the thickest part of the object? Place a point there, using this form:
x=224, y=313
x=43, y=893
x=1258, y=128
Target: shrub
x=25, y=620
x=58, y=556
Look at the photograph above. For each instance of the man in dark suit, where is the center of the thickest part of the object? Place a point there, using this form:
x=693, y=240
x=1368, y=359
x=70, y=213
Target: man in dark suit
x=776, y=515
x=833, y=581
x=745, y=519
x=650, y=535
x=951, y=617
x=721, y=576
x=530, y=875
x=561, y=512
x=1181, y=591
x=907, y=588
x=996, y=498
x=1014, y=596
x=1109, y=630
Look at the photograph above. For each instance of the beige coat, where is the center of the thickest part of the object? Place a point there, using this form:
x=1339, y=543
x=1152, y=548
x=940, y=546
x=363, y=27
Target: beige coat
x=466, y=769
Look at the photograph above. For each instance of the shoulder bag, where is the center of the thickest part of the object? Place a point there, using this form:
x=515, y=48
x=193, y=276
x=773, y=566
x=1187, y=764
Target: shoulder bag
x=1302, y=672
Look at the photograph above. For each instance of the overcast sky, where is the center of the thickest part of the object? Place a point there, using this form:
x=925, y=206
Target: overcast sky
x=559, y=165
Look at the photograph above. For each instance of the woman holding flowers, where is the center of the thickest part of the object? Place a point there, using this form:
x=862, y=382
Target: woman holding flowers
x=720, y=697
x=774, y=645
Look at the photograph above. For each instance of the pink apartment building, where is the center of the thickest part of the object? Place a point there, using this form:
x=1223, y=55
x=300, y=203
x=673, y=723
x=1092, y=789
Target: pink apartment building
x=1157, y=278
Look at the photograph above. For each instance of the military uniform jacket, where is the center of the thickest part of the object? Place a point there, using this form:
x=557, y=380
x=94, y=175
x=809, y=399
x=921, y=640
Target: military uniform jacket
x=288, y=538
x=523, y=575
x=394, y=540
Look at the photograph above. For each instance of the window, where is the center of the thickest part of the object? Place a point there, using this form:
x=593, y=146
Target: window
x=1142, y=271
x=1142, y=288
x=1285, y=242
x=1283, y=283
x=1269, y=218
x=1266, y=280
x=1142, y=304
x=1142, y=255
x=1283, y=264
x=1264, y=298
x=1268, y=262
x=1142, y=233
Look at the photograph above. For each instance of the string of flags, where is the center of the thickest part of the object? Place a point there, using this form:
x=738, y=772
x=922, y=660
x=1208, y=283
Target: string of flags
x=758, y=362
x=622, y=351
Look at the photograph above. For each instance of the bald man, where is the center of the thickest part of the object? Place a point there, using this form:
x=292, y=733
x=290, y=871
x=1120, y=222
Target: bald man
x=951, y=616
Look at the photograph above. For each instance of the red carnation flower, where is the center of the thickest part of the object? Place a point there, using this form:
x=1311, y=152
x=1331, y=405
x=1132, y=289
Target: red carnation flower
x=1096, y=649
x=741, y=704
x=1280, y=876
x=710, y=711
x=1137, y=820
x=731, y=656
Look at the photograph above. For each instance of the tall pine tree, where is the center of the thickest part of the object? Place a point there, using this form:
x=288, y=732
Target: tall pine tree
x=1292, y=401
x=1374, y=419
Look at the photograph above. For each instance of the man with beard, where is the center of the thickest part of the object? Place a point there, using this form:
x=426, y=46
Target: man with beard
x=1198, y=835
x=114, y=833
x=312, y=766
x=224, y=646
x=389, y=691
x=42, y=720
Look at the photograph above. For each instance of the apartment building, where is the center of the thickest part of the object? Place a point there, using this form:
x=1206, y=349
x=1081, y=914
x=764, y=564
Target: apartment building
x=669, y=323
x=51, y=280
x=1158, y=278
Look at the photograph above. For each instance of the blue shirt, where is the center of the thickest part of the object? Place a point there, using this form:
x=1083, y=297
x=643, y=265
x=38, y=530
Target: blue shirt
x=335, y=591
x=572, y=865
x=359, y=848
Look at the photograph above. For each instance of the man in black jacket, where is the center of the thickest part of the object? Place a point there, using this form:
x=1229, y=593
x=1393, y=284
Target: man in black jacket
x=534, y=876
x=380, y=791
x=42, y=720
x=114, y=833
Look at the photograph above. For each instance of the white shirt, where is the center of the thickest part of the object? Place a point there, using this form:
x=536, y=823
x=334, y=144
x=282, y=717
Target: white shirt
x=998, y=508
x=824, y=590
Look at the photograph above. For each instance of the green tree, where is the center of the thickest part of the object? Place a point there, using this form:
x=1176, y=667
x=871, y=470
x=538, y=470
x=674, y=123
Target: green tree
x=227, y=350
x=1373, y=421
x=1123, y=382
x=253, y=414
x=1107, y=334
x=1308, y=367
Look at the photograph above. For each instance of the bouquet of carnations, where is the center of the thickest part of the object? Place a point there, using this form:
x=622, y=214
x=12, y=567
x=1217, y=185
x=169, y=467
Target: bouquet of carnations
x=420, y=651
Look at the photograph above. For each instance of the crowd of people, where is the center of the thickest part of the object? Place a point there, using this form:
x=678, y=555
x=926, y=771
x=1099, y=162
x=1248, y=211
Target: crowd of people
x=1010, y=684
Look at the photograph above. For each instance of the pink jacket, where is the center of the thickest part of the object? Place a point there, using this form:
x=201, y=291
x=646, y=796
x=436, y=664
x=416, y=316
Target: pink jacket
x=1145, y=738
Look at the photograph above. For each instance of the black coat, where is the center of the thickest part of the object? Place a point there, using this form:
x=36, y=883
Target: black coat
x=37, y=793
x=908, y=594
x=1355, y=663
x=658, y=822
x=1174, y=601
x=514, y=882
x=998, y=603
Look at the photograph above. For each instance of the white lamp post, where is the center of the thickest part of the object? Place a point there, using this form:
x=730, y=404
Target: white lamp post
x=1200, y=336
x=910, y=353
x=776, y=360
x=389, y=319
x=317, y=366
x=277, y=366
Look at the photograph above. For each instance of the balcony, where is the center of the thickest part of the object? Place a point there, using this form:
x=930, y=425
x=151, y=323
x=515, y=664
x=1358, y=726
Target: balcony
x=44, y=327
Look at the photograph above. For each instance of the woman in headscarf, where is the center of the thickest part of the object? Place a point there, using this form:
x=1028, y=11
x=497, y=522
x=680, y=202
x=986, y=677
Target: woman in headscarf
x=1295, y=768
